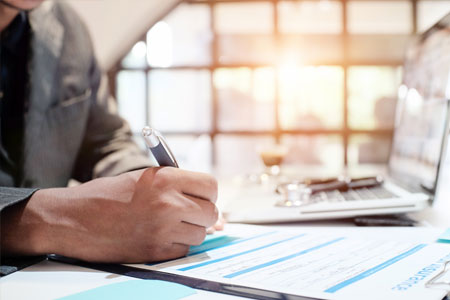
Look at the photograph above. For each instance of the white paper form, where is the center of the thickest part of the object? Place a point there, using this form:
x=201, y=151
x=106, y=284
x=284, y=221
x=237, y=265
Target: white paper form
x=325, y=263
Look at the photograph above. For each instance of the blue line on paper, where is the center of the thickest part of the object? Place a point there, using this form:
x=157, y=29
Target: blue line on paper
x=211, y=242
x=374, y=269
x=238, y=254
x=281, y=259
x=445, y=237
x=218, y=247
x=194, y=252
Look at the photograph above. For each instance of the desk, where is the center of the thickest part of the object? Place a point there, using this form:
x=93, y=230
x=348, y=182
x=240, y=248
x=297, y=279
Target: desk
x=50, y=280
x=436, y=216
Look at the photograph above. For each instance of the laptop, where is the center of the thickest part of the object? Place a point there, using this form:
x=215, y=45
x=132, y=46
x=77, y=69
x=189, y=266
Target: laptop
x=418, y=147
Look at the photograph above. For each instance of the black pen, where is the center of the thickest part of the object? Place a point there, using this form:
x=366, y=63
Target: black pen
x=159, y=148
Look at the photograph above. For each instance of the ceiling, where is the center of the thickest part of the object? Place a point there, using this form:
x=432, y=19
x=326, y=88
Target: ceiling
x=116, y=24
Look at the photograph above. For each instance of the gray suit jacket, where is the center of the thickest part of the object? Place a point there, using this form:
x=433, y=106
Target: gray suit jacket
x=72, y=129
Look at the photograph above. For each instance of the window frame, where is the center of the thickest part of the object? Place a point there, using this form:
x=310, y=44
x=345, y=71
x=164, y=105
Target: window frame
x=346, y=132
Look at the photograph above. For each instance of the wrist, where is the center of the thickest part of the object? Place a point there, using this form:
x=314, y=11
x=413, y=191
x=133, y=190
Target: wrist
x=25, y=227
x=38, y=224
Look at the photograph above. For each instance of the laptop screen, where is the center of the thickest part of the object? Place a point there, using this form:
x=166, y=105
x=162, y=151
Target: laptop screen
x=421, y=121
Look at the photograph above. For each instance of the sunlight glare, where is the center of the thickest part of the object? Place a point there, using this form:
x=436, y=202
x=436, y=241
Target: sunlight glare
x=160, y=45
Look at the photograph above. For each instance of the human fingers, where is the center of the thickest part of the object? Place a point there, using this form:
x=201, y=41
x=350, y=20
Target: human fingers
x=174, y=250
x=198, y=185
x=188, y=234
x=199, y=212
x=218, y=226
x=195, y=184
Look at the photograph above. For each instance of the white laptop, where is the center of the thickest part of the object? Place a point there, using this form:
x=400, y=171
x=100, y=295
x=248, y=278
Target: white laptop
x=419, y=144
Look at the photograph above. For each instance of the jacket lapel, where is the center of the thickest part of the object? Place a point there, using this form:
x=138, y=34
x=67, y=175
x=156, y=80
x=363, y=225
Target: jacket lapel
x=46, y=44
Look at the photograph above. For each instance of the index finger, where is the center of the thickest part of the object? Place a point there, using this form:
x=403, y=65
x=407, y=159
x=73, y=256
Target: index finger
x=199, y=185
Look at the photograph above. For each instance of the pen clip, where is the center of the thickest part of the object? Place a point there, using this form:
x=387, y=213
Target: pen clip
x=162, y=140
x=433, y=282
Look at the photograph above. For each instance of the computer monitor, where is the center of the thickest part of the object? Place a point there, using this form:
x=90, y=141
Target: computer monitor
x=421, y=122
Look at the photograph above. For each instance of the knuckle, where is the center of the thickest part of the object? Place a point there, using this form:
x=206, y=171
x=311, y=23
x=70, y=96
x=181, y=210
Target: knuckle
x=164, y=176
x=168, y=208
x=164, y=204
x=189, y=207
x=161, y=180
x=148, y=173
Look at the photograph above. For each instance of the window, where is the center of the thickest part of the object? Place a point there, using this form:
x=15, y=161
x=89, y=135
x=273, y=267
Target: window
x=169, y=42
x=380, y=17
x=245, y=98
x=243, y=18
x=221, y=77
x=180, y=100
x=310, y=17
x=311, y=97
x=372, y=96
x=131, y=97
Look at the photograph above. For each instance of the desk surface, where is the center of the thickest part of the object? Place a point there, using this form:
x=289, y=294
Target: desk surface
x=50, y=280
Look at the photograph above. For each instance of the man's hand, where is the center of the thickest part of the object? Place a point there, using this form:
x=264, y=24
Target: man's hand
x=141, y=216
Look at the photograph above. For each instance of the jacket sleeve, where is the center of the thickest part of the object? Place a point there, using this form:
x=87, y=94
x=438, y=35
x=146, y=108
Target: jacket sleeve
x=10, y=196
x=108, y=148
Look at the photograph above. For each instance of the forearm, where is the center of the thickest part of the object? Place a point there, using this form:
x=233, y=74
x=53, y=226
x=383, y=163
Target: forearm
x=24, y=228
x=157, y=212
x=58, y=220
x=64, y=220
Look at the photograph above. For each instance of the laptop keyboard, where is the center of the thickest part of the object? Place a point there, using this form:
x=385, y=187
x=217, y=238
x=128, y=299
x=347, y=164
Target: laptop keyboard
x=378, y=192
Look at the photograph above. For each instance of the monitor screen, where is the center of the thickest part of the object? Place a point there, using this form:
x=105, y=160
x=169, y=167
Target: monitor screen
x=422, y=109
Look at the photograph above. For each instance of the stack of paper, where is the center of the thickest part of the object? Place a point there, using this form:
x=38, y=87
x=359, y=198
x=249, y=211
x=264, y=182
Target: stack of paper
x=318, y=263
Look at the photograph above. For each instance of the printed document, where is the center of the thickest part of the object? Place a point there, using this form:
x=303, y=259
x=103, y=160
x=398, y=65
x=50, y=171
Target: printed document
x=323, y=264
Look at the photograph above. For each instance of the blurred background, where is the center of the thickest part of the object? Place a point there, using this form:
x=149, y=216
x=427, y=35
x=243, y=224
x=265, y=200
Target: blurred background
x=222, y=78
